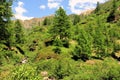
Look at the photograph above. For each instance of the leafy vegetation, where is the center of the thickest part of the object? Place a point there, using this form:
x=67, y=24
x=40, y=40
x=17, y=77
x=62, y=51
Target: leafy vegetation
x=74, y=47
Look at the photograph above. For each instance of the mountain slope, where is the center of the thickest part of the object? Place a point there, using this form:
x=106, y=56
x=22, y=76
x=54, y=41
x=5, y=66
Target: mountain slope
x=91, y=52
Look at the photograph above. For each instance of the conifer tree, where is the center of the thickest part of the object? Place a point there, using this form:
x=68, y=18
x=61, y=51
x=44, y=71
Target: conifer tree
x=19, y=34
x=97, y=8
x=76, y=19
x=61, y=25
x=84, y=48
x=5, y=21
x=45, y=22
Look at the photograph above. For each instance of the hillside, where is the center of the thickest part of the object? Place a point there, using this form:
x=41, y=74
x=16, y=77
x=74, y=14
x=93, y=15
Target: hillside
x=39, y=21
x=63, y=47
x=34, y=22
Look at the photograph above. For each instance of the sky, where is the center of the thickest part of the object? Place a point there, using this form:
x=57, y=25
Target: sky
x=28, y=9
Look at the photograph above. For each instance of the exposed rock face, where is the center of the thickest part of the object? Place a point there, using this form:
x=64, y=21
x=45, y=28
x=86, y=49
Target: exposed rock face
x=34, y=22
x=87, y=12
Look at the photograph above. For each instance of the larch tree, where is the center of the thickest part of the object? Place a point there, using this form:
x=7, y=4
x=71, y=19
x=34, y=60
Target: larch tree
x=5, y=21
x=97, y=8
x=61, y=25
x=76, y=19
x=46, y=21
x=84, y=48
x=19, y=34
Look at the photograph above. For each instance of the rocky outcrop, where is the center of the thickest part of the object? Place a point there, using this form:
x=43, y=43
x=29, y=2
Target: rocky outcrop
x=34, y=22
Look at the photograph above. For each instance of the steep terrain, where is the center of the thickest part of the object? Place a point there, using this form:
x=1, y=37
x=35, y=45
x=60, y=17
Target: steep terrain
x=39, y=21
x=34, y=22
x=91, y=50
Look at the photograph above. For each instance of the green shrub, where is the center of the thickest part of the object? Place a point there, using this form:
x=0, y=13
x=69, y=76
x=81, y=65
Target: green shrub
x=66, y=43
x=57, y=68
x=78, y=54
x=58, y=42
x=57, y=50
x=24, y=72
x=117, y=47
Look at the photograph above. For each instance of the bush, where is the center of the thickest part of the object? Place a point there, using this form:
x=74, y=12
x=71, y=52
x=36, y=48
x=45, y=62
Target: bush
x=66, y=43
x=57, y=50
x=58, y=42
x=104, y=70
x=24, y=72
x=57, y=68
x=117, y=47
x=78, y=54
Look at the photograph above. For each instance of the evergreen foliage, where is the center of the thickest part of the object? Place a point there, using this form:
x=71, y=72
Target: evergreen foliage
x=61, y=25
x=97, y=8
x=5, y=21
x=19, y=34
x=111, y=16
x=84, y=48
x=46, y=21
x=75, y=18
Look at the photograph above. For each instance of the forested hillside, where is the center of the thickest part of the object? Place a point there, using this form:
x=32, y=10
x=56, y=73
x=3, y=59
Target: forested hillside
x=61, y=47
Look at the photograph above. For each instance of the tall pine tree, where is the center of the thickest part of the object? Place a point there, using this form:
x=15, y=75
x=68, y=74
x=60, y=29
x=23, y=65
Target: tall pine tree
x=19, y=34
x=5, y=21
x=84, y=48
x=97, y=8
x=61, y=25
x=76, y=19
